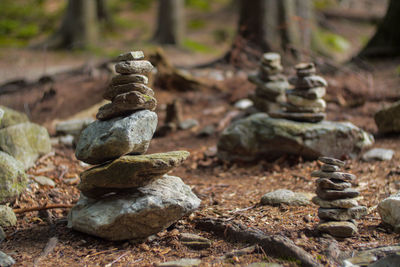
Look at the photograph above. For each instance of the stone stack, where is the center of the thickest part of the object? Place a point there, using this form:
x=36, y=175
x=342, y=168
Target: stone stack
x=128, y=195
x=271, y=84
x=337, y=200
x=304, y=102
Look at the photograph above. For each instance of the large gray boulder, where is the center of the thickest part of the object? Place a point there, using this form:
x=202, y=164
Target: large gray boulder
x=136, y=215
x=13, y=179
x=102, y=141
x=262, y=136
x=389, y=210
x=388, y=119
x=25, y=142
x=12, y=117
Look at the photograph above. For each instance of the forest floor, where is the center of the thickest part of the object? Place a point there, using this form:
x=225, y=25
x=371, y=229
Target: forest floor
x=228, y=191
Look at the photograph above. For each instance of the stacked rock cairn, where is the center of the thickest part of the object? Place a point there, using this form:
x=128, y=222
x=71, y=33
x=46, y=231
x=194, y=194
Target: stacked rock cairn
x=304, y=102
x=338, y=202
x=128, y=195
x=271, y=84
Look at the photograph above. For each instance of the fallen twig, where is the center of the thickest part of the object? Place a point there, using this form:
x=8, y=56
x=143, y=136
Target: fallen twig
x=45, y=207
x=116, y=260
x=276, y=246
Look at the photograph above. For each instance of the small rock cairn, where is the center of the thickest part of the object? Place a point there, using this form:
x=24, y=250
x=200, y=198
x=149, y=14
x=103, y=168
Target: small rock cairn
x=128, y=195
x=271, y=84
x=337, y=200
x=304, y=102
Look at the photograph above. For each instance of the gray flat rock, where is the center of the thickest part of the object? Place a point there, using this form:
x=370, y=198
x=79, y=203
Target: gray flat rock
x=309, y=82
x=134, y=55
x=5, y=260
x=136, y=215
x=299, y=117
x=113, y=91
x=332, y=161
x=125, y=104
x=102, y=141
x=312, y=94
x=346, y=177
x=284, y=196
x=330, y=194
x=330, y=168
x=129, y=78
x=379, y=154
x=181, y=263
x=305, y=69
x=134, y=67
x=259, y=135
x=73, y=127
x=337, y=203
x=304, y=102
x=342, y=214
x=338, y=229
x=324, y=183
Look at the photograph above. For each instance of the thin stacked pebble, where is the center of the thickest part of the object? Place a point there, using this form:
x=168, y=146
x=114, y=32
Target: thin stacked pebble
x=337, y=200
x=271, y=84
x=128, y=195
x=304, y=102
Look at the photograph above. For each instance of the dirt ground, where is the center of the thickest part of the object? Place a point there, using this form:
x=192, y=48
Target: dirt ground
x=228, y=191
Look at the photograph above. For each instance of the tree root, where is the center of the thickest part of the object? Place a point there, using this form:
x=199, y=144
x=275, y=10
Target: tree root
x=276, y=246
x=45, y=207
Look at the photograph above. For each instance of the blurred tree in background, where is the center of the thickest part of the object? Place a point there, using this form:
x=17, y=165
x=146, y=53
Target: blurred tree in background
x=170, y=22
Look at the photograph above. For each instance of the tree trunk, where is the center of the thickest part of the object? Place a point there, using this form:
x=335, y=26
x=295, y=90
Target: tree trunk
x=170, y=22
x=79, y=27
x=386, y=41
x=103, y=13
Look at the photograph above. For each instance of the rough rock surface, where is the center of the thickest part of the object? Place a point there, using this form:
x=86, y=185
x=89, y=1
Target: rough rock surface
x=388, y=119
x=13, y=179
x=389, y=210
x=338, y=203
x=12, y=117
x=25, y=142
x=106, y=140
x=378, y=154
x=338, y=229
x=128, y=172
x=259, y=135
x=5, y=260
x=137, y=215
x=284, y=196
x=7, y=216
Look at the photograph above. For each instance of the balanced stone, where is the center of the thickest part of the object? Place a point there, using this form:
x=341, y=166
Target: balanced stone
x=301, y=117
x=290, y=108
x=332, y=161
x=102, y=141
x=134, y=55
x=305, y=69
x=128, y=172
x=330, y=194
x=342, y=214
x=347, y=177
x=324, y=183
x=134, y=67
x=113, y=91
x=272, y=78
x=273, y=59
x=338, y=229
x=308, y=82
x=133, y=78
x=124, y=104
x=329, y=168
x=313, y=93
x=304, y=102
x=337, y=203
x=151, y=209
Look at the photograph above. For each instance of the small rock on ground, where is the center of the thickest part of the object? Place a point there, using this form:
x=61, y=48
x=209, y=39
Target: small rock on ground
x=6, y=260
x=378, y=154
x=180, y=263
x=188, y=124
x=43, y=180
x=389, y=210
x=284, y=196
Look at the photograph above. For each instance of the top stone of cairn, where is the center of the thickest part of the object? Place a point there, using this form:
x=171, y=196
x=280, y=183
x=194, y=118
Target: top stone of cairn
x=305, y=69
x=133, y=55
x=271, y=59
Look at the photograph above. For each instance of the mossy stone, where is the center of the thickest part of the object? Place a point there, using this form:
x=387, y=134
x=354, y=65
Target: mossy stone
x=11, y=117
x=13, y=179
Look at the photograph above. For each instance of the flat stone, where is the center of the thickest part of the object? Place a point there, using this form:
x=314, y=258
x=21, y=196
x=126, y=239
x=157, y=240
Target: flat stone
x=272, y=78
x=305, y=69
x=73, y=127
x=268, y=70
x=290, y=108
x=181, y=263
x=25, y=142
x=11, y=117
x=188, y=124
x=388, y=261
x=389, y=210
x=380, y=154
x=194, y=241
x=308, y=82
x=338, y=229
x=13, y=179
x=388, y=119
x=304, y=102
x=134, y=55
x=113, y=91
x=331, y=161
x=271, y=58
x=43, y=180
x=264, y=264
x=362, y=260
x=329, y=168
x=338, y=203
x=325, y=183
x=132, y=78
x=128, y=172
x=134, y=67
x=102, y=141
x=330, y=194
x=312, y=94
x=139, y=215
x=273, y=88
x=299, y=117
x=264, y=105
x=125, y=104
x=346, y=177
x=259, y=136
x=5, y=260
x=7, y=216
x=342, y=214
x=284, y=196
x=243, y=104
